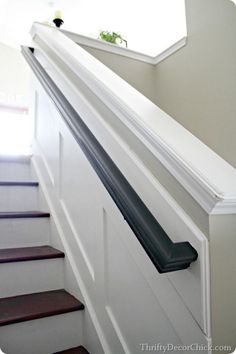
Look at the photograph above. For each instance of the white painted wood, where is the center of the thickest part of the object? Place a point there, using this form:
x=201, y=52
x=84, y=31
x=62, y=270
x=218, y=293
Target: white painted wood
x=109, y=47
x=22, y=159
x=43, y=336
x=13, y=171
x=193, y=284
x=208, y=178
x=20, y=278
x=18, y=198
x=146, y=316
x=169, y=51
x=24, y=232
x=128, y=300
x=63, y=237
x=116, y=49
x=46, y=136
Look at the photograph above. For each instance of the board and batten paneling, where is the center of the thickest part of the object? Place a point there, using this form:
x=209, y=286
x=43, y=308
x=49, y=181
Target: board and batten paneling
x=129, y=301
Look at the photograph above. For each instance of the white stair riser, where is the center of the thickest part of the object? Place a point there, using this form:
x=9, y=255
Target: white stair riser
x=12, y=171
x=42, y=336
x=24, y=232
x=18, y=278
x=18, y=198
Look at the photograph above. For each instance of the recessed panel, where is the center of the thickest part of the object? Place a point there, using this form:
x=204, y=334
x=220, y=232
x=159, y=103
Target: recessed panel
x=134, y=310
x=47, y=135
x=79, y=195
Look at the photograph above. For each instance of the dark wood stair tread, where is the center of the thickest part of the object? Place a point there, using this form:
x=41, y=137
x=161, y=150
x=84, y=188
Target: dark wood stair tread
x=29, y=254
x=77, y=350
x=32, y=306
x=19, y=183
x=23, y=214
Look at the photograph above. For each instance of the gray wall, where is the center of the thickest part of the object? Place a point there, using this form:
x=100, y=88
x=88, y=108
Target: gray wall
x=138, y=74
x=197, y=85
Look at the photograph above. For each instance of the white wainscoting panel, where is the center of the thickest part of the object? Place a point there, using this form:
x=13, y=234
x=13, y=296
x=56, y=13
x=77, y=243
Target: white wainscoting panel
x=129, y=302
x=46, y=134
x=133, y=309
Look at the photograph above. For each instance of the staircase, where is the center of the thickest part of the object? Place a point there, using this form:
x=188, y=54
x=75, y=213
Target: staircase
x=37, y=315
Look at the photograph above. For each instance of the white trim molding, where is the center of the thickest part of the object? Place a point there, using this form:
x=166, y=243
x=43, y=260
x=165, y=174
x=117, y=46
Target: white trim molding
x=132, y=54
x=109, y=47
x=169, y=51
x=125, y=52
x=208, y=178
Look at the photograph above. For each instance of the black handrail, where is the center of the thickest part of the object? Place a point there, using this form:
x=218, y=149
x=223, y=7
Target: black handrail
x=166, y=255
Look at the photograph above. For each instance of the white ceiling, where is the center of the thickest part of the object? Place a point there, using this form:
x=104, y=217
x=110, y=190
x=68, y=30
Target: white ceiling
x=150, y=26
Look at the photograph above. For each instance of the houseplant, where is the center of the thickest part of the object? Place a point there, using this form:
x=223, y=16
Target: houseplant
x=112, y=37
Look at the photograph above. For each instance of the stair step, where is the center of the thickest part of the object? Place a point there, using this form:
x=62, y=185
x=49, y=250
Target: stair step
x=77, y=350
x=19, y=196
x=43, y=336
x=15, y=169
x=15, y=158
x=30, y=277
x=19, y=232
x=23, y=214
x=33, y=306
x=19, y=184
x=8, y=255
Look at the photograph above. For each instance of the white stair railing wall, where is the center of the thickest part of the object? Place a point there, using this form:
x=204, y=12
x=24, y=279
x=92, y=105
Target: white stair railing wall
x=188, y=188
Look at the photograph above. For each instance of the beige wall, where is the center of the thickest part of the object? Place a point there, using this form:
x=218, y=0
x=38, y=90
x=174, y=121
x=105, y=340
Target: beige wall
x=14, y=76
x=197, y=85
x=139, y=74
